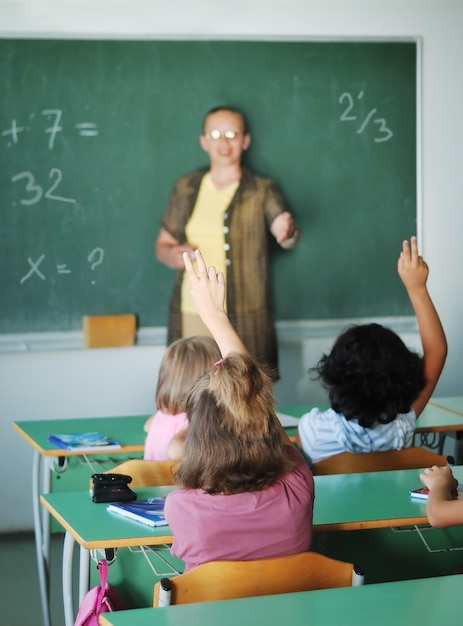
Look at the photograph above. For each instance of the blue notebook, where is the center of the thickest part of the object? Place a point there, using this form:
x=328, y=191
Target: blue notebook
x=423, y=492
x=149, y=511
x=84, y=442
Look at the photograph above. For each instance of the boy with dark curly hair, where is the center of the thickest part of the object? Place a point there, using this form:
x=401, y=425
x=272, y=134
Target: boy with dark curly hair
x=377, y=386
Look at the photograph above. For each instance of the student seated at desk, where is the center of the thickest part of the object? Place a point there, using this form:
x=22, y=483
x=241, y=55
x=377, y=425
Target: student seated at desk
x=245, y=491
x=377, y=386
x=183, y=362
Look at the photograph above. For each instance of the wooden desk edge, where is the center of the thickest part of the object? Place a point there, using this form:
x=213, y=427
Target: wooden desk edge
x=29, y=439
x=149, y=540
x=57, y=452
x=371, y=524
x=445, y=408
x=438, y=429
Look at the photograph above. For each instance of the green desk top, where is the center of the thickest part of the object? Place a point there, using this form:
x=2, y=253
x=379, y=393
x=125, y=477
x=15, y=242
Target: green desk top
x=441, y=414
x=424, y=601
x=368, y=500
x=451, y=403
x=127, y=430
x=92, y=526
x=342, y=502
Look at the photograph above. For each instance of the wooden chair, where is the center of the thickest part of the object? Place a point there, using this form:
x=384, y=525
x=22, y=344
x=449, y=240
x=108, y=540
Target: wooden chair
x=146, y=473
x=109, y=331
x=351, y=463
x=224, y=580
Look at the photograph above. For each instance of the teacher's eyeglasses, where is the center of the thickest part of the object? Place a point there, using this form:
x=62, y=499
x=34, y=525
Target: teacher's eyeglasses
x=228, y=134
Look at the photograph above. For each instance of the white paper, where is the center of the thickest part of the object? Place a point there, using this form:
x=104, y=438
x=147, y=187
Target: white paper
x=287, y=420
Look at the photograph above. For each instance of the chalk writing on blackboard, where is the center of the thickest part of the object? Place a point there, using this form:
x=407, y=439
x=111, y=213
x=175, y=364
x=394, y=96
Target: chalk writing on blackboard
x=95, y=258
x=384, y=133
x=32, y=190
x=34, y=269
x=36, y=192
x=54, y=118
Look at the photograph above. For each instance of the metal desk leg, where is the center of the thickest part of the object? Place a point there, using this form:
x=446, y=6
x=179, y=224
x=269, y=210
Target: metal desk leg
x=84, y=573
x=67, y=581
x=41, y=484
x=441, y=443
x=68, y=602
x=458, y=448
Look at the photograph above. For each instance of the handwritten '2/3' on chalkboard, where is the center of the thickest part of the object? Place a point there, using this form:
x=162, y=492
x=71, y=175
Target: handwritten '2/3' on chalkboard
x=93, y=135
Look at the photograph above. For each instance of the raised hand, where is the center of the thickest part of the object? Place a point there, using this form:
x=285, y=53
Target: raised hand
x=413, y=270
x=208, y=291
x=207, y=287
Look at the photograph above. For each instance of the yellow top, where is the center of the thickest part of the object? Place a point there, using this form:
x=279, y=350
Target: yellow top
x=205, y=231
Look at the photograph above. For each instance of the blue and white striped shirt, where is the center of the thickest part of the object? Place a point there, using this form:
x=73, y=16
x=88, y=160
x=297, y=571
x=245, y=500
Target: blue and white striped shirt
x=324, y=433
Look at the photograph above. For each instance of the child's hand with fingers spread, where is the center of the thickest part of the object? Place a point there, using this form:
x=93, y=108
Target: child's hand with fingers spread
x=208, y=291
x=413, y=270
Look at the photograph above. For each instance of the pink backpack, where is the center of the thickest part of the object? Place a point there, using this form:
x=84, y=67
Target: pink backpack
x=98, y=600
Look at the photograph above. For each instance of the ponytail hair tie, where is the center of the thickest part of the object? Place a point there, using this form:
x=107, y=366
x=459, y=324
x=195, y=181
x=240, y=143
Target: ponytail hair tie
x=218, y=364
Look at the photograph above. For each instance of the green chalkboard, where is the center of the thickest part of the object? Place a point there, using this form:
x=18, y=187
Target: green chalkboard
x=93, y=135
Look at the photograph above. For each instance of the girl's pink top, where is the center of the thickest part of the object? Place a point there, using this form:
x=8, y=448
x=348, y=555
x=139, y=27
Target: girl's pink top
x=163, y=427
x=254, y=525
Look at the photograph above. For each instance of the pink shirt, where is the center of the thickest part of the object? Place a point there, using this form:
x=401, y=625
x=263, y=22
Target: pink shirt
x=163, y=427
x=254, y=525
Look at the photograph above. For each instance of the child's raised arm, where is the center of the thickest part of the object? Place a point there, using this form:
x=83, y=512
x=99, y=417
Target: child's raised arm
x=208, y=291
x=413, y=272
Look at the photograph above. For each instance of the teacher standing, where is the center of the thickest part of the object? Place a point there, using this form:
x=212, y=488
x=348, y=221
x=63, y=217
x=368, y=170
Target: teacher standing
x=226, y=212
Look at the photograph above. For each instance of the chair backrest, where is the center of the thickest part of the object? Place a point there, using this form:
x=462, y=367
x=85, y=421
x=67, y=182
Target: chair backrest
x=146, y=473
x=351, y=463
x=109, y=331
x=224, y=580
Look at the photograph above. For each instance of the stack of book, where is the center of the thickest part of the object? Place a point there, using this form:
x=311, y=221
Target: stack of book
x=149, y=511
x=84, y=442
x=423, y=492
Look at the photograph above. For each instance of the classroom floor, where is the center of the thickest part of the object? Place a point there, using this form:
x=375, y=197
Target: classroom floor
x=19, y=581
x=384, y=554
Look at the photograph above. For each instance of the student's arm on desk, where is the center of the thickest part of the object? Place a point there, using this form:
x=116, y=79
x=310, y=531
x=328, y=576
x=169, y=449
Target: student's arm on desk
x=442, y=507
x=413, y=272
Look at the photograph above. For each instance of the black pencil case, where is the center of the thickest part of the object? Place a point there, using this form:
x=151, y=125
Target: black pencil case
x=112, y=488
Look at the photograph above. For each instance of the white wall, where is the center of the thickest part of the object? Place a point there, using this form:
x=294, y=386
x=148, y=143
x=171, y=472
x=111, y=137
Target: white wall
x=103, y=382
